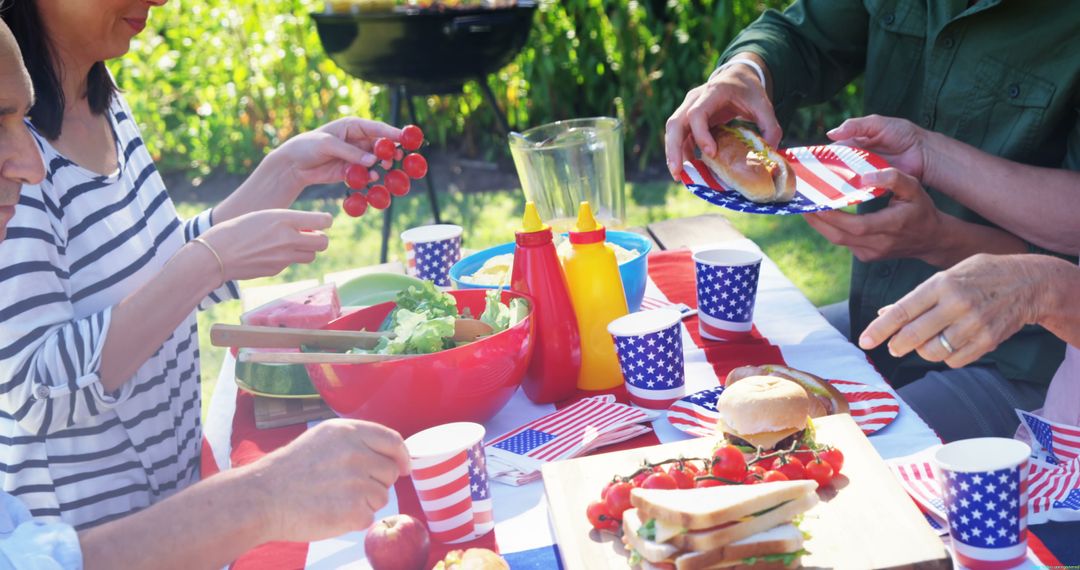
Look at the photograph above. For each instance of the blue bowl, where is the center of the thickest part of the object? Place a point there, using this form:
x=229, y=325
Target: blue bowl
x=633, y=272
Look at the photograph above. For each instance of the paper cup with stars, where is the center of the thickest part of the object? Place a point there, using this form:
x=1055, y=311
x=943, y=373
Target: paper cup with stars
x=727, y=282
x=984, y=484
x=650, y=350
x=449, y=473
x=430, y=251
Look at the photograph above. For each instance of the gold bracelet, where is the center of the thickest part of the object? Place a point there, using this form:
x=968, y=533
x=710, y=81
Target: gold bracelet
x=221, y=265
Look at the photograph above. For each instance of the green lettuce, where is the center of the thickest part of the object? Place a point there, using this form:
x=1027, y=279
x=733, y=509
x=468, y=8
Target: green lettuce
x=648, y=530
x=785, y=558
x=423, y=321
x=427, y=300
x=414, y=333
x=500, y=316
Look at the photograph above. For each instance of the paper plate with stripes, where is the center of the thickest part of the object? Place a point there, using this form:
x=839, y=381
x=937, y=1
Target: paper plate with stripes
x=872, y=408
x=827, y=177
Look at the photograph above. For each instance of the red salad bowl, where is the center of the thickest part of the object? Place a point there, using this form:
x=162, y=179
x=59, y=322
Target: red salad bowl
x=471, y=382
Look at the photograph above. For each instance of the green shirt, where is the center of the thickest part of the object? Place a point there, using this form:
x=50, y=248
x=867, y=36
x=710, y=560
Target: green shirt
x=1001, y=76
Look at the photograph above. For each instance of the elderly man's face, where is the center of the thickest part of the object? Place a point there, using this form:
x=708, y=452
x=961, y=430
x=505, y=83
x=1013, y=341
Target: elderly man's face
x=20, y=161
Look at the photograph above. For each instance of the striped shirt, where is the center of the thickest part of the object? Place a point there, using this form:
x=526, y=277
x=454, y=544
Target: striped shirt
x=78, y=244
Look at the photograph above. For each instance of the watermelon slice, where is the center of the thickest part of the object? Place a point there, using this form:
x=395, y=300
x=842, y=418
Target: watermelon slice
x=308, y=309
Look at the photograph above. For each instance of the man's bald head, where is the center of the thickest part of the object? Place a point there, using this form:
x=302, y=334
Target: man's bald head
x=20, y=162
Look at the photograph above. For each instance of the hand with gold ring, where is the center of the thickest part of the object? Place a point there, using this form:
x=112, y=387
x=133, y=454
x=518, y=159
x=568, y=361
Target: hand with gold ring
x=961, y=314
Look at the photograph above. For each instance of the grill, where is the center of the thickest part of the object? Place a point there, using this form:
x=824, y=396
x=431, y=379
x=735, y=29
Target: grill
x=426, y=52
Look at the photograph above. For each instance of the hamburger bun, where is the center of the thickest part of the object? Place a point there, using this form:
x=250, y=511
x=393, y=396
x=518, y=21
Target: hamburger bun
x=762, y=411
x=745, y=163
x=825, y=399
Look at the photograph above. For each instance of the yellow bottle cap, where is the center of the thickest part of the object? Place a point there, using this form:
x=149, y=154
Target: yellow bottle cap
x=586, y=222
x=531, y=221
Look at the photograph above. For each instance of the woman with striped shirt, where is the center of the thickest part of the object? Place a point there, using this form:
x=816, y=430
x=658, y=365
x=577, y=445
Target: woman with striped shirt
x=99, y=368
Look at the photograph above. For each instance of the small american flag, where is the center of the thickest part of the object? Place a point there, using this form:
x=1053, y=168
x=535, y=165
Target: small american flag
x=726, y=299
x=1059, y=442
x=987, y=516
x=432, y=260
x=516, y=456
x=653, y=366
x=649, y=303
x=454, y=495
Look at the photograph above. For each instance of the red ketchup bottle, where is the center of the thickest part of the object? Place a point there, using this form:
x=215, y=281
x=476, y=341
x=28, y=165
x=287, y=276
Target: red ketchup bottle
x=556, y=360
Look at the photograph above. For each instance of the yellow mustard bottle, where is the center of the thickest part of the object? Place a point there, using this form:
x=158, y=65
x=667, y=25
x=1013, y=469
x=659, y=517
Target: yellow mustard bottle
x=596, y=291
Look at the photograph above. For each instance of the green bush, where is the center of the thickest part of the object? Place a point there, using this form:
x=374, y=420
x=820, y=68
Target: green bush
x=216, y=83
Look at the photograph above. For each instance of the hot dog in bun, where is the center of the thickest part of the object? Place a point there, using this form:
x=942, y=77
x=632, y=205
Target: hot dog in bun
x=745, y=163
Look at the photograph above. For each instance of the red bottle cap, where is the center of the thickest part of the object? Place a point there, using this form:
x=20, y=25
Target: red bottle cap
x=581, y=238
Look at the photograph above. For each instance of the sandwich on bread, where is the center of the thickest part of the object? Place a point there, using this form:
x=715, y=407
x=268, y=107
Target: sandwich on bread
x=718, y=527
x=745, y=163
x=763, y=412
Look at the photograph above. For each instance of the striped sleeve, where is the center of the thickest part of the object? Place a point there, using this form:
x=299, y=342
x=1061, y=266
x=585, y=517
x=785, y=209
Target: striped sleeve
x=193, y=228
x=49, y=360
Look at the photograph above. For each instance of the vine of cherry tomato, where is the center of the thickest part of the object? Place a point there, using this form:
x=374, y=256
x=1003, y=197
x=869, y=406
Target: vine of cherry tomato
x=398, y=164
x=728, y=465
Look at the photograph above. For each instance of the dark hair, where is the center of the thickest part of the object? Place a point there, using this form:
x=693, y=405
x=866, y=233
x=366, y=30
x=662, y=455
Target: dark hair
x=47, y=114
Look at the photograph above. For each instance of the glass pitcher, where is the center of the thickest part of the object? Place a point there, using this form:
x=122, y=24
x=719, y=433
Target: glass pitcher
x=563, y=163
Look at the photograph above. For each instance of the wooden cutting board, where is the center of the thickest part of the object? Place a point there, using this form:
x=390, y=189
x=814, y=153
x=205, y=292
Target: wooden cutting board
x=279, y=412
x=864, y=521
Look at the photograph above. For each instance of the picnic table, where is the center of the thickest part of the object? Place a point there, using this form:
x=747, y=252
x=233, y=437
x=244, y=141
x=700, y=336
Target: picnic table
x=787, y=330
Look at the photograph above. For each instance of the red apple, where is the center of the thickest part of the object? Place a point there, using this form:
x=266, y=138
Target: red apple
x=398, y=542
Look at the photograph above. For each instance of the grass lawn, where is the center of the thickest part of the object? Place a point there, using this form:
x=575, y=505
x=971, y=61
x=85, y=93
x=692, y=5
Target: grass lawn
x=817, y=267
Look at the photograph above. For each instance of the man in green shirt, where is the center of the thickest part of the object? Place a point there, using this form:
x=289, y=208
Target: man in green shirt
x=1001, y=76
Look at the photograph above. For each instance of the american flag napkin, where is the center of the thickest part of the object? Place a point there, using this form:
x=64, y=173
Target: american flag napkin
x=515, y=457
x=1053, y=488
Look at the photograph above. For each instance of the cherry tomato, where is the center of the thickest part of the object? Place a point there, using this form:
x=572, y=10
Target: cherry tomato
x=604, y=492
x=804, y=455
x=708, y=483
x=640, y=477
x=771, y=476
x=397, y=182
x=355, y=204
x=415, y=166
x=754, y=474
x=792, y=468
x=659, y=481
x=684, y=478
x=378, y=196
x=357, y=176
x=384, y=148
x=411, y=137
x=834, y=457
x=729, y=463
x=618, y=499
x=766, y=463
x=819, y=471
x=600, y=518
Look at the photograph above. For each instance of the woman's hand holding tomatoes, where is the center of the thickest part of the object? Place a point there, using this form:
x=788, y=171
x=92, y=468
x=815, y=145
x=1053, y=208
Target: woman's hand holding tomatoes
x=397, y=168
